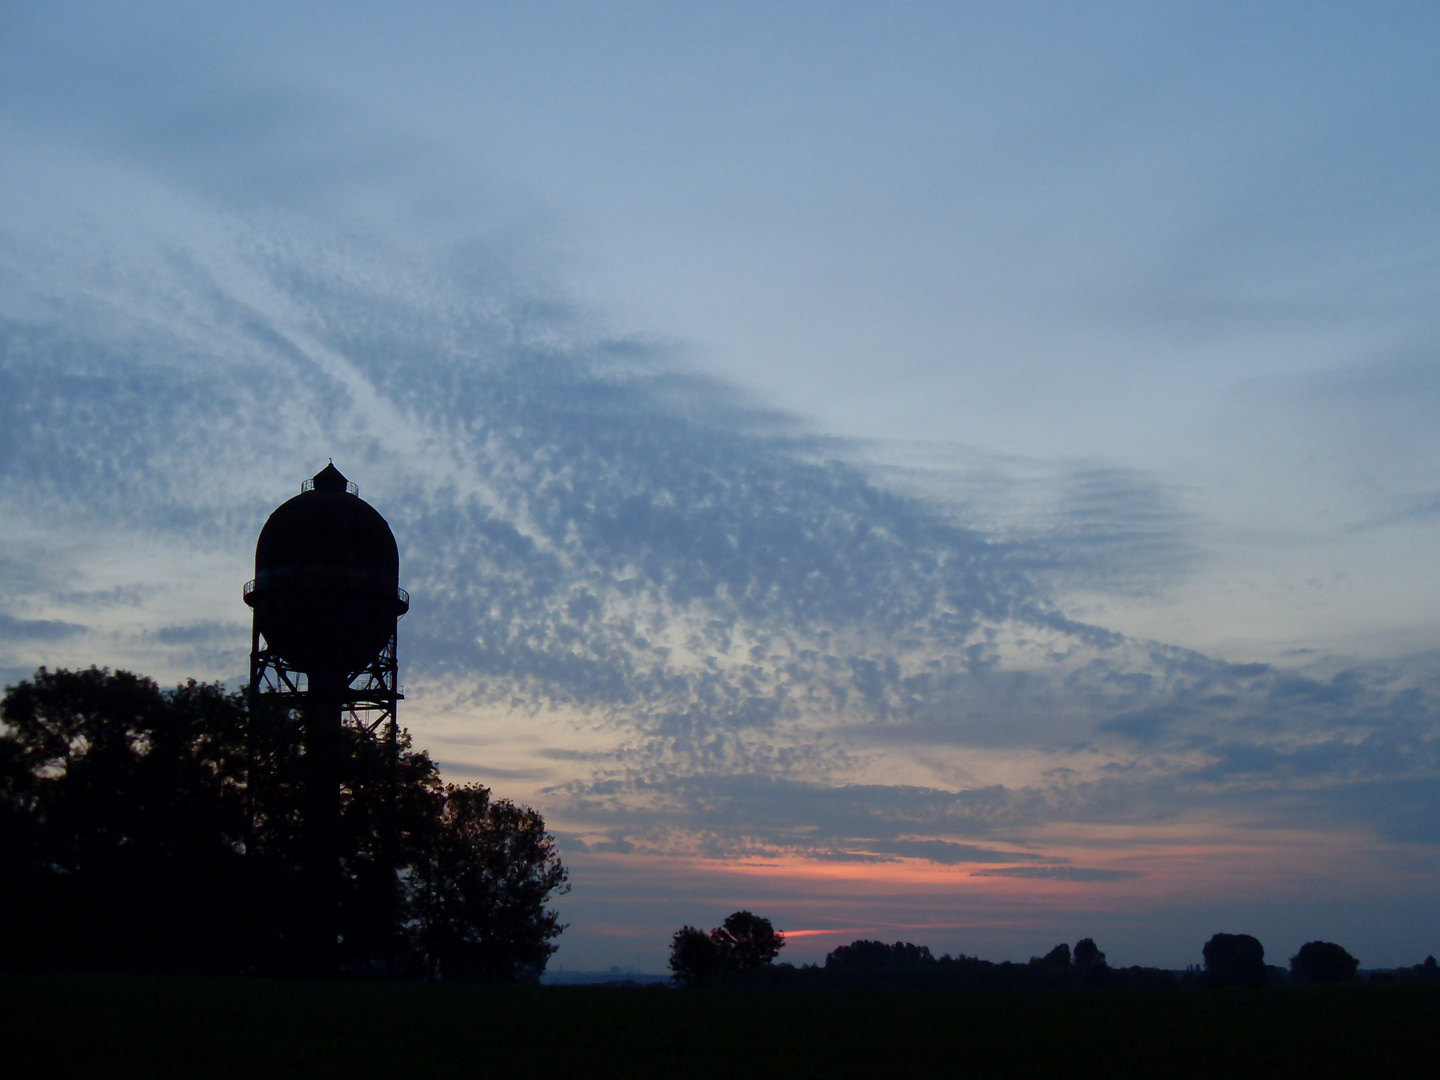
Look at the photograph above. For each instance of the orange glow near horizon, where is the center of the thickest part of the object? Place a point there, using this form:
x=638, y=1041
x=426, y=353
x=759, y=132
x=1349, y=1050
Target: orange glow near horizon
x=1191, y=862
x=887, y=928
x=1216, y=867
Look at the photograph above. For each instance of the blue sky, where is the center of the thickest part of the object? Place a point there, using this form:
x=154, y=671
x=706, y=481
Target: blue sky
x=955, y=474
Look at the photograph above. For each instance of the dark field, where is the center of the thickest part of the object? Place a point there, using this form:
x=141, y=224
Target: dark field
x=157, y=1027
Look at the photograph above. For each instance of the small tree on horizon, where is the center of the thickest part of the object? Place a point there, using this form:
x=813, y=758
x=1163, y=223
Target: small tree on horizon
x=1087, y=954
x=1235, y=960
x=738, y=948
x=695, y=958
x=749, y=941
x=1322, y=962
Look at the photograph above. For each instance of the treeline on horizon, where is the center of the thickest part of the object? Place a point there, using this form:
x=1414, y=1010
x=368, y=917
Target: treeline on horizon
x=152, y=830
x=876, y=965
x=742, y=951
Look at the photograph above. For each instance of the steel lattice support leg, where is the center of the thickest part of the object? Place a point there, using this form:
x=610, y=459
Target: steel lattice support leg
x=368, y=703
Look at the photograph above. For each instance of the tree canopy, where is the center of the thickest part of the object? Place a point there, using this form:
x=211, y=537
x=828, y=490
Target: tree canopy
x=902, y=965
x=1235, y=960
x=736, y=950
x=150, y=829
x=1323, y=962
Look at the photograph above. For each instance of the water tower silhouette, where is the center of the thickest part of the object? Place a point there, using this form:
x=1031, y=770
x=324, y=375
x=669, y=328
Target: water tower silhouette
x=326, y=600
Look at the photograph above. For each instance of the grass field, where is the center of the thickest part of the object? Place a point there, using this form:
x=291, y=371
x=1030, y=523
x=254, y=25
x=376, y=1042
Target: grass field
x=98, y=1026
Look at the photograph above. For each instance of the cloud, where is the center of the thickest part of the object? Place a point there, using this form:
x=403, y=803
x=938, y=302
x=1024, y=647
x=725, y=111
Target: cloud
x=770, y=809
x=1059, y=873
x=13, y=629
x=947, y=853
x=201, y=633
x=1072, y=524
x=753, y=618
x=776, y=644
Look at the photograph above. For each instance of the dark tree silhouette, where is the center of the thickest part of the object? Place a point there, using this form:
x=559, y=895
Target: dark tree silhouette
x=748, y=941
x=1058, y=957
x=876, y=964
x=1322, y=962
x=738, y=949
x=1089, y=967
x=1429, y=971
x=1087, y=953
x=150, y=829
x=480, y=889
x=902, y=965
x=124, y=819
x=878, y=956
x=695, y=958
x=1235, y=960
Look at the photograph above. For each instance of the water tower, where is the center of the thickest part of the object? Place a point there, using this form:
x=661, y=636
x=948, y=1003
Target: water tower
x=326, y=599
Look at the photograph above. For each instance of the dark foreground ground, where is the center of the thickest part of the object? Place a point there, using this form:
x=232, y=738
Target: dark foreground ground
x=98, y=1026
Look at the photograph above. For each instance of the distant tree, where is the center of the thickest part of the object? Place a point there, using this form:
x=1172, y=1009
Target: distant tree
x=1322, y=962
x=739, y=948
x=1089, y=967
x=1058, y=957
x=748, y=941
x=1052, y=969
x=695, y=958
x=1235, y=960
x=1085, y=966
x=875, y=964
x=1087, y=953
x=878, y=956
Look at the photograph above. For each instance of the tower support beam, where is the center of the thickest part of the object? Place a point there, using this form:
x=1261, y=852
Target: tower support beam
x=366, y=705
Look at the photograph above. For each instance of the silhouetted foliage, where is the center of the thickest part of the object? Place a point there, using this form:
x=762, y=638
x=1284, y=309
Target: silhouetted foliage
x=695, y=957
x=1089, y=965
x=480, y=887
x=1323, y=962
x=1088, y=954
x=902, y=965
x=749, y=942
x=133, y=836
x=737, y=950
x=1058, y=957
x=1426, y=972
x=1235, y=960
x=874, y=964
x=1429, y=971
x=124, y=819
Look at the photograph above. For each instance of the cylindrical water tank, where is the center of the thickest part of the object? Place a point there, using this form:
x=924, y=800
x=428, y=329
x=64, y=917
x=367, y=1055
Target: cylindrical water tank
x=327, y=590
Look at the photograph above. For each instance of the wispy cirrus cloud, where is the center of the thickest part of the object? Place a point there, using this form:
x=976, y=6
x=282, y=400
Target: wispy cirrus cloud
x=758, y=624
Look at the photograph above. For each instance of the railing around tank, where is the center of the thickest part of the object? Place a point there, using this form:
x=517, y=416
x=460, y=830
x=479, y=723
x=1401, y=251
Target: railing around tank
x=400, y=594
x=351, y=487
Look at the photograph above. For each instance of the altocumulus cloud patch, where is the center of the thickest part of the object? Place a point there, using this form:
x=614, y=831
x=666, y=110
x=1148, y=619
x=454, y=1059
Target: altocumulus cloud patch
x=761, y=628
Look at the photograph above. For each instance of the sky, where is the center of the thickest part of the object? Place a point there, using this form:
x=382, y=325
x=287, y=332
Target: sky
x=962, y=474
